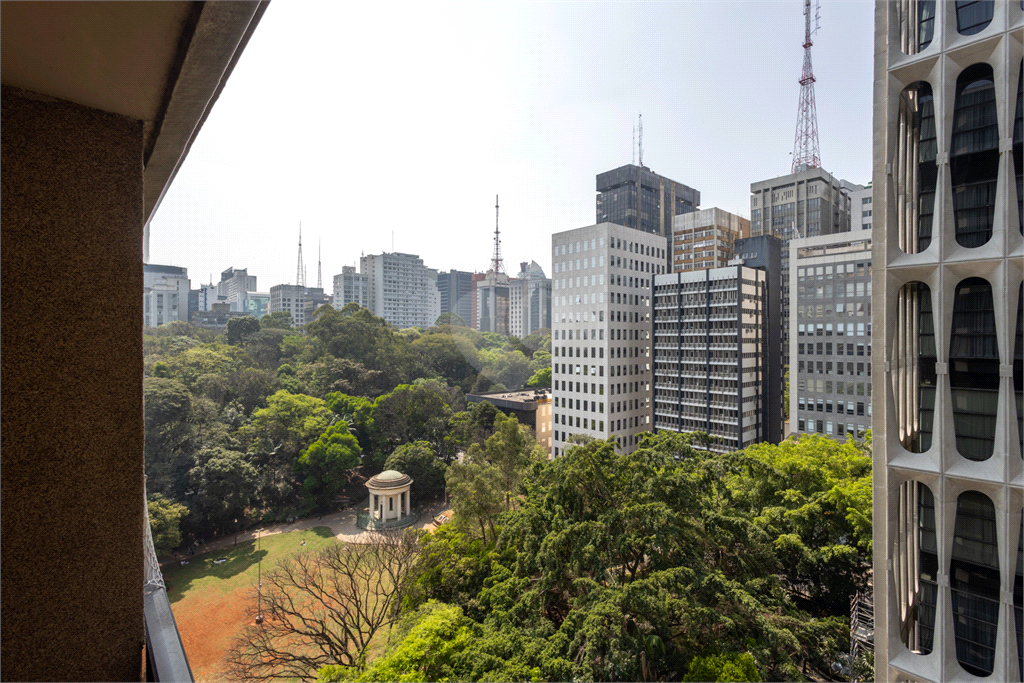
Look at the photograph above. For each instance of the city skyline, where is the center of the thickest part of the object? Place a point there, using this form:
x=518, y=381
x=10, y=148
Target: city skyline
x=532, y=110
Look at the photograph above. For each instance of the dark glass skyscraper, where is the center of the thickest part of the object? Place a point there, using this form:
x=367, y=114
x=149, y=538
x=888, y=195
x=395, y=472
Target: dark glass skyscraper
x=638, y=198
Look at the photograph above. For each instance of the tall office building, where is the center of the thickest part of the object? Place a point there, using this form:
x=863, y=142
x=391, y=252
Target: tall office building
x=712, y=368
x=601, y=320
x=529, y=301
x=314, y=299
x=233, y=285
x=455, y=288
x=830, y=335
x=165, y=294
x=705, y=239
x=398, y=289
x=350, y=287
x=638, y=198
x=492, y=302
x=949, y=306
x=290, y=299
x=807, y=203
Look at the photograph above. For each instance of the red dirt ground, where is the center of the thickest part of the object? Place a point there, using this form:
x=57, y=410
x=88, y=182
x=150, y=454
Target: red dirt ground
x=207, y=629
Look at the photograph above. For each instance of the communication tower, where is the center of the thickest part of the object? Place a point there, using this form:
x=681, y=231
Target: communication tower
x=805, y=146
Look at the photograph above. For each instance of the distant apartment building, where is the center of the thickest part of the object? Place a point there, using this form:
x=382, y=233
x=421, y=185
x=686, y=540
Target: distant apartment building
x=636, y=197
x=217, y=317
x=713, y=369
x=705, y=239
x=830, y=335
x=315, y=298
x=529, y=300
x=601, y=319
x=289, y=299
x=350, y=287
x=234, y=284
x=165, y=294
x=807, y=203
x=256, y=304
x=398, y=289
x=455, y=289
x=860, y=206
x=433, y=297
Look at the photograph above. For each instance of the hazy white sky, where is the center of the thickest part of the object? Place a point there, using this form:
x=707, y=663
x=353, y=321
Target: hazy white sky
x=363, y=119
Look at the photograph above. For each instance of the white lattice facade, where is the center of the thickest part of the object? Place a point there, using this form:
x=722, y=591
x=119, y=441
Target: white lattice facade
x=947, y=370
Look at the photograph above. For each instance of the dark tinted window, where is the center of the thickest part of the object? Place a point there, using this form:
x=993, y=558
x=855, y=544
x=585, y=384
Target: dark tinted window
x=974, y=369
x=972, y=16
x=974, y=156
x=974, y=583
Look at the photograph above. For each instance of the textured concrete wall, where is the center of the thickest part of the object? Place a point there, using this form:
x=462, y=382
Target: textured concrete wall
x=71, y=493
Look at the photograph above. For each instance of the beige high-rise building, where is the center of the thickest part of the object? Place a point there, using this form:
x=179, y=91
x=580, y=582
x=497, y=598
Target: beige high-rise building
x=705, y=239
x=947, y=369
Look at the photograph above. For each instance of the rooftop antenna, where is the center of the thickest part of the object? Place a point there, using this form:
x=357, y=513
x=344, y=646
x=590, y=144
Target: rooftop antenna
x=496, y=259
x=641, y=146
x=805, y=144
x=319, y=266
x=300, y=278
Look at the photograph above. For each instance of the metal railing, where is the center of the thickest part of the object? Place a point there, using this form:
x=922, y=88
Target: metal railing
x=165, y=654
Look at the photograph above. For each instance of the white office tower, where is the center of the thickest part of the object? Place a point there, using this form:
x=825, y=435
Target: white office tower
x=289, y=299
x=601, y=322
x=947, y=368
x=529, y=300
x=165, y=294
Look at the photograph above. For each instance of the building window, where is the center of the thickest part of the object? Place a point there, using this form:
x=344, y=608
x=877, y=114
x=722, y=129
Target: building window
x=1018, y=369
x=915, y=332
x=1018, y=148
x=925, y=23
x=974, y=156
x=973, y=16
x=919, y=555
x=974, y=369
x=974, y=583
x=917, y=118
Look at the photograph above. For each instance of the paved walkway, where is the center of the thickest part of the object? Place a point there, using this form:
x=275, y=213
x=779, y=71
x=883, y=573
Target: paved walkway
x=342, y=525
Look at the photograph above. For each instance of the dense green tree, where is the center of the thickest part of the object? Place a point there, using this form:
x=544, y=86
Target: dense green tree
x=324, y=466
x=541, y=378
x=512, y=450
x=264, y=347
x=223, y=482
x=277, y=320
x=169, y=435
x=239, y=328
x=474, y=424
x=476, y=493
x=164, y=523
x=420, y=462
x=415, y=412
x=450, y=319
x=450, y=353
x=727, y=667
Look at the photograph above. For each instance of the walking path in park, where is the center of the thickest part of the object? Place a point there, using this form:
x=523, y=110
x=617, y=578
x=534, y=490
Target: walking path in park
x=342, y=524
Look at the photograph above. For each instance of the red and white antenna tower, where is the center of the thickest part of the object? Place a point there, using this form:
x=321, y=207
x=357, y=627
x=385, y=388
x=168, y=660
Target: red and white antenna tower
x=805, y=146
x=496, y=265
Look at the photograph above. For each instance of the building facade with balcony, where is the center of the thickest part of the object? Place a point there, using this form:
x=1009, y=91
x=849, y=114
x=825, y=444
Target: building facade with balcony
x=705, y=239
x=713, y=372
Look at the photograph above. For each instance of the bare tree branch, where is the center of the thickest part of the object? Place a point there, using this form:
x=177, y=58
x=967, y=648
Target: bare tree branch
x=324, y=607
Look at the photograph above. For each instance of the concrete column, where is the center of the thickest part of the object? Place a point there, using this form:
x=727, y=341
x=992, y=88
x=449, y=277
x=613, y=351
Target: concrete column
x=72, y=460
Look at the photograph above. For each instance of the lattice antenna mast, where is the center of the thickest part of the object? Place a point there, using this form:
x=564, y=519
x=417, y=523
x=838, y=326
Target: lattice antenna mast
x=496, y=265
x=632, y=147
x=805, y=146
x=319, y=265
x=300, y=271
x=640, y=130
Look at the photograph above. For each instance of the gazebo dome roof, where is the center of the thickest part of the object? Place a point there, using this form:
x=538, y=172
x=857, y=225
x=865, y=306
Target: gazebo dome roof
x=389, y=479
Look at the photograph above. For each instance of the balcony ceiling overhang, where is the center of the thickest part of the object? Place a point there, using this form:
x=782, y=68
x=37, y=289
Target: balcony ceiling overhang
x=163, y=63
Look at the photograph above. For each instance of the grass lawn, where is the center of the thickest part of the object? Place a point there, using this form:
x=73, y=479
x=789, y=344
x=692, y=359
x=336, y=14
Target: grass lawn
x=201, y=577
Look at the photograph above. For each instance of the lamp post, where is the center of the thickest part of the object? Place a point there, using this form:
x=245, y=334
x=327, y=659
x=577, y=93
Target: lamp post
x=259, y=577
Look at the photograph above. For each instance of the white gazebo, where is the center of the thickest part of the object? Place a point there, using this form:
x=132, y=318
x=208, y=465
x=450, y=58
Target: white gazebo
x=389, y=502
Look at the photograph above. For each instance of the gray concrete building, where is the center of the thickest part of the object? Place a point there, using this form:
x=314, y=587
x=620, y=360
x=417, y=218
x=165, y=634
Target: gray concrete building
x=492, y=303
x=601, y=320
x=455, y=288
x=807, y=203
x=712, y=368
x=350, y=287
x=830, y=335
x=165, y=294
x=948, y=304
x=234, y=285
x=290, y=299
